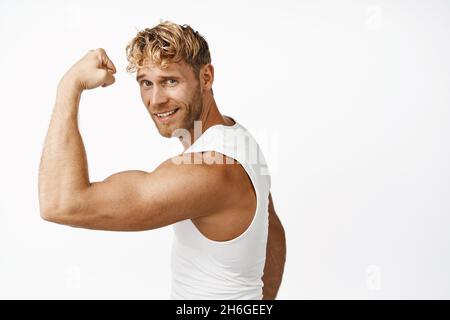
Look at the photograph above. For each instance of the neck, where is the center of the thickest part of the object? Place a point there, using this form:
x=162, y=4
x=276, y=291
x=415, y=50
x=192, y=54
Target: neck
x=210, y=116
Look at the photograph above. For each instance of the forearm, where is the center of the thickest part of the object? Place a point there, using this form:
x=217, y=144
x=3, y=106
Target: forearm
x=63, y=169
x=275, y=257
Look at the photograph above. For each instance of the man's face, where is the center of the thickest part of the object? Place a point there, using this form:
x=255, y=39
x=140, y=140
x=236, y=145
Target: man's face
x=174, y=88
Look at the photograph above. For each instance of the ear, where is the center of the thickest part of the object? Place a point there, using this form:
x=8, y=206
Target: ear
x=207, y=77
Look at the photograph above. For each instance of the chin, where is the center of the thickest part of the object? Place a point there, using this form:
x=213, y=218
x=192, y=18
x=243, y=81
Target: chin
x=166, y=133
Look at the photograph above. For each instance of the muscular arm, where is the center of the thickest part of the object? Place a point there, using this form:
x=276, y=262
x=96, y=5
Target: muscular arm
x=63, y=171
x=275, y=255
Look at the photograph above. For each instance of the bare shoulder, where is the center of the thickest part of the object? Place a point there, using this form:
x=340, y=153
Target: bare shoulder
x=201, y=177
x=230, y=192
x=224, y=177
x=202, y=165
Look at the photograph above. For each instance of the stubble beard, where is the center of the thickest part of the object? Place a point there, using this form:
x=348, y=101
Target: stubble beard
x=189, y=115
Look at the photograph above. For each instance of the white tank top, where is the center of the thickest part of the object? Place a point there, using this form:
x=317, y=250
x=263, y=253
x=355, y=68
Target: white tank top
x=208, y=269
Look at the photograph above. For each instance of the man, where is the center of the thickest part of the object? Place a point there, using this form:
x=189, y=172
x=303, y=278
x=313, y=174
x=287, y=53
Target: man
x=229, y=242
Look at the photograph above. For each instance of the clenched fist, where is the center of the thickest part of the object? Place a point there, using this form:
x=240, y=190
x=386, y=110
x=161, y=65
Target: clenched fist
x=93, y=70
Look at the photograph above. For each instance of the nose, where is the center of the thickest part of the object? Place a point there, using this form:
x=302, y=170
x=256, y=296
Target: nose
x=157, y=96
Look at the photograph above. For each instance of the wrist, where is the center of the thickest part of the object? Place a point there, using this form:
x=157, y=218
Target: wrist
x=68, y=95
x=69, y=86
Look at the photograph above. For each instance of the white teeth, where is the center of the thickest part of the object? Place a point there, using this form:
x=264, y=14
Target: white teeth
x=162, y=115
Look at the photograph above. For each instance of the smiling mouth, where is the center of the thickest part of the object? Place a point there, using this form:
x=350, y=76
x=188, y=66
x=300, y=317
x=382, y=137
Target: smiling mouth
x=165, y=116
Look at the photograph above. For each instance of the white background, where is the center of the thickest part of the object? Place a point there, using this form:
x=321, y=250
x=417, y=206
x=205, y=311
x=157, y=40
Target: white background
x=350, y=102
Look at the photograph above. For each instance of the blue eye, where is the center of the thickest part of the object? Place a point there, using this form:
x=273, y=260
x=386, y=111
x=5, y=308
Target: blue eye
x=174, y=81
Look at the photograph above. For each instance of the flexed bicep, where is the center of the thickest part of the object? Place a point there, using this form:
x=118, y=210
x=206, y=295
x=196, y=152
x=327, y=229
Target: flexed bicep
x=139, y=200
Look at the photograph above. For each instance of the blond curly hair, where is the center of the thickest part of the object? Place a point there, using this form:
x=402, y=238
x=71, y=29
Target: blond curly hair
x=165, y=43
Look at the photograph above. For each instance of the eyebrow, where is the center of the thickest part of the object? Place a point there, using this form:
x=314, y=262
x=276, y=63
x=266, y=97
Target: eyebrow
x=160, y=77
